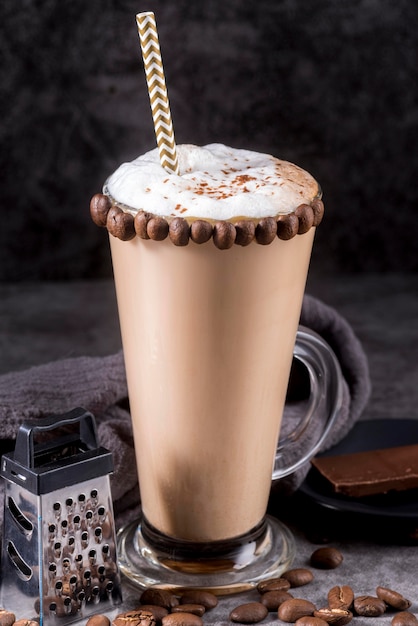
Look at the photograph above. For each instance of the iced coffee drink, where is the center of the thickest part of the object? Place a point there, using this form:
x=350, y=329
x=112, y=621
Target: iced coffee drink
x=210, y=268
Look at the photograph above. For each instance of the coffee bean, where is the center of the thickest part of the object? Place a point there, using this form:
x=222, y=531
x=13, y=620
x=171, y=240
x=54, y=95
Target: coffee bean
x=196, y=609
x=99, y=208
x=266, y=230
x=157, y=228
x=249, y=613
x=201, y=231
x=273, y=584
x=298, y=576
x=97, y=620
x=27, y=622
x=7, y=618
x=197, y=596
x=393, y=598
x=292, y=610
x=310, y=620
x=182, y=619
x=160, y=597
x=340, y=597
x=404, y=618
x=369, y=606
x=158, y=611
x=273, y=599
x=134, y=618
x=179, y=231
x=337, y=617
x=224, y=234
x=326, y=558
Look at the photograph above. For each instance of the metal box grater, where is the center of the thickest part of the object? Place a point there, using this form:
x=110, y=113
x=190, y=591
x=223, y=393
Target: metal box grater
x=59, y=560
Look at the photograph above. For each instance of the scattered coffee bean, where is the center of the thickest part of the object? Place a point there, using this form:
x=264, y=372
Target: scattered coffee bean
x=97, y=620
x=182, y=619
x=404, y=618
x=197, y=596
x=298, y=576
x=292, y=610
x=340, y=597
x=337, y=617
x=249, y=613
x=196, y=609
x=134, y=618
x=273, y=599
x=326, y=558
x=273, y=584
x=27, y=622
x=393, y=598
x=7, y=618
x=369, y=606
x=158, y=611
x=160, y=597
x=310, y=620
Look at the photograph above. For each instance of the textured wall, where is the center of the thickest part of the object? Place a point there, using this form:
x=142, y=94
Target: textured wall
x=329, y=84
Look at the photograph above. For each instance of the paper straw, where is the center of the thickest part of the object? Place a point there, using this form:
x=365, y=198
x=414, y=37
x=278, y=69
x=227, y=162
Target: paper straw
x=157, y=90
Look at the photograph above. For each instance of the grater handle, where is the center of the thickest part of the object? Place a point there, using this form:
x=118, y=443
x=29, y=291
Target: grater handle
x=24, y=450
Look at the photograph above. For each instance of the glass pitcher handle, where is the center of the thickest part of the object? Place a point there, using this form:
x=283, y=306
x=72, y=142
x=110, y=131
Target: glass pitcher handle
x=325, y=400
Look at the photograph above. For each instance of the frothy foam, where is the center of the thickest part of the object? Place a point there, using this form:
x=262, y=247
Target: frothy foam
x=216, y=182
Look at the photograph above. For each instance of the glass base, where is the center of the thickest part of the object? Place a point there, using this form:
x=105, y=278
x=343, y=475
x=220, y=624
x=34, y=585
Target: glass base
x=149, y=558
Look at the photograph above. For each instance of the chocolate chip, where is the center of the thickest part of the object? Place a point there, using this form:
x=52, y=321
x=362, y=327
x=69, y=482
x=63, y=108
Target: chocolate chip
x=224, y=235
x=298, y=576
x=249, y=613
x=292, y=610
x=179, y=231
x=287, y=226
x=266, y=230
x=99, y=208
x=393, y=598
x=157, y=228
x=326, y=558
x=120, y=224
x=245, y=232
x=306, y=218
x=201, y=231
x=199, y=596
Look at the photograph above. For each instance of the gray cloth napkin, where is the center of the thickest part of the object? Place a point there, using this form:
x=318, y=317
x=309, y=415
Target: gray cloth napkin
x=99, y=385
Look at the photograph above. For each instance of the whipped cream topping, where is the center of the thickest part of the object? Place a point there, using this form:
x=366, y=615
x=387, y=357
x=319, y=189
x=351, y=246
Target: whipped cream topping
x=216, y=182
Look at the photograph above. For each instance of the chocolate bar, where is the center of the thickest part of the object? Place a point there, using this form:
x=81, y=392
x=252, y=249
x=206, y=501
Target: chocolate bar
x=373, y=472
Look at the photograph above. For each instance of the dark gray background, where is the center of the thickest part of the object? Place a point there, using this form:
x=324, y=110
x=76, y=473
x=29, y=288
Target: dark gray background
x=328, y=84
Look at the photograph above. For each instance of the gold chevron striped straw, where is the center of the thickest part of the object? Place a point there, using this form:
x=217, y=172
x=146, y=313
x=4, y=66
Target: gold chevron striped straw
x=160, y=108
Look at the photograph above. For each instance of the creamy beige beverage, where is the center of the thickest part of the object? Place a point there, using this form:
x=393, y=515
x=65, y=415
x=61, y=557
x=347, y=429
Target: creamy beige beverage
x=210, y=269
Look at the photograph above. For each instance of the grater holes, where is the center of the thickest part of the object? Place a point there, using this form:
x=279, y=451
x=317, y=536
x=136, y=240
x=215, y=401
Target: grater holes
x=19, y=518
x=22, y=568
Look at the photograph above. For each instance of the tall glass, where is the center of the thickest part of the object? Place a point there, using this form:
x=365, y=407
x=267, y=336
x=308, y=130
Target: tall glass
x=208, y=337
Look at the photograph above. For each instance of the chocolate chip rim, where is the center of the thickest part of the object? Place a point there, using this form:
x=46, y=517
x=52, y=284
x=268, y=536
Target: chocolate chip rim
x=225, y=234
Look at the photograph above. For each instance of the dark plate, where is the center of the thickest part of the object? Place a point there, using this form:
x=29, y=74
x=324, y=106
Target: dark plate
x=368, y=435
